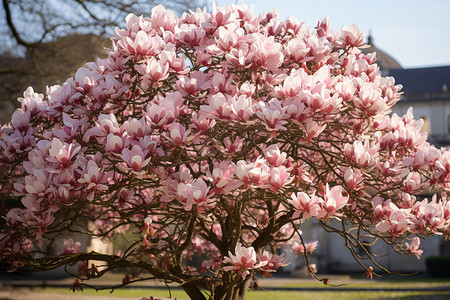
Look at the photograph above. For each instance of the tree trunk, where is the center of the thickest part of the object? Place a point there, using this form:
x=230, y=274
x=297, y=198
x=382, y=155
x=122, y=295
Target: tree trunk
x=193, y=292
x=234, y=293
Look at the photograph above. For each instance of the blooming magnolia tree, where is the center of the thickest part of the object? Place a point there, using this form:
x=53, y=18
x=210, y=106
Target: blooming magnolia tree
x=217, y=135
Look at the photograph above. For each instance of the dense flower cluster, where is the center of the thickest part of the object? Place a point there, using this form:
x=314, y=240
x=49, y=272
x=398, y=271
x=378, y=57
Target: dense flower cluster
x=217, y=134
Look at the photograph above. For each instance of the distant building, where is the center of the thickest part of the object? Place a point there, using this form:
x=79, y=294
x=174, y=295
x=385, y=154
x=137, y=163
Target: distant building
x=427, y=91
x=57, y=61
x=424, y=89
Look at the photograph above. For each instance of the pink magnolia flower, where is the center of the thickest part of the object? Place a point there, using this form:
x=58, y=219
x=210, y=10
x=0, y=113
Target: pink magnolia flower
x=313, y=129
x=346, y=89
x=62, y=152
x=352, y=178
x=369, y=100
x=94, y=177
x=323, y=27
x=189, y=34
x=428, y=216
x=116, y=143
x=243, y=260
x=396, y=224
x=298, y=50
x=219, y=105
x=163, y=18
x=202, y=124
x=135, y=158
x=228, y=38
x=320, y=48
x=38, y=183
x=312, y=270
x=33, y=102
x=70, y=128
x=196, y=193
x=423, y=158
x=152, y=70
x=305, y=205
x=266, y=53
x=105, y=125
x=256, y=173
x=240, y=56
x=160, y=114
x=272, y=262
x=333, y=201
x=382, y=208
x=191, y=85
x=361, y=153
x=412, y=182
x=69, y=247
x=242, y=108
x=351, y=36
x=108, y=88
x=223, y=177
x=309, y=247
x=279, y=177
x=177, y=134
x=142, y=45
x=413, y=249
x=274, y=156
x=233, y=147
x=137, y=128
x=273, y=114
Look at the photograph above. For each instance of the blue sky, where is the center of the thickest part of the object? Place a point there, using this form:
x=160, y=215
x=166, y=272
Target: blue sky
x=415, y=32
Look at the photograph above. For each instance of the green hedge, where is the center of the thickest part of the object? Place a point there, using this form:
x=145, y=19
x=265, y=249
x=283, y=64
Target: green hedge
x=438, y=266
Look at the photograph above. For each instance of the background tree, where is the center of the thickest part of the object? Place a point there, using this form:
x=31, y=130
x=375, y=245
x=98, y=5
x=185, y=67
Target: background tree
x=217, y=135
x=65, y=35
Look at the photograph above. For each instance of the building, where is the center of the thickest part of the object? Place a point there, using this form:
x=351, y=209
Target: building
x=56, y=61
x=427, y=91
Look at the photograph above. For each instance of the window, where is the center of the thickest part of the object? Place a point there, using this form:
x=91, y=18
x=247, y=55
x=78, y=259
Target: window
x=426, y=124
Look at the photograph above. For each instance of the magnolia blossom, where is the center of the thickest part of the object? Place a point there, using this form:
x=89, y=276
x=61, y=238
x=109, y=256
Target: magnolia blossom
x=243, y=260
x=135, y=158
x=305, y=205
x=94, y=177
x=273, y=114
x=396, y=224
x=196, y=192
x=274, y=156
x=413, y=249
x=62, y=152
x=333, y=201
x=271, y=262
x=352, y=178
x=70, y=247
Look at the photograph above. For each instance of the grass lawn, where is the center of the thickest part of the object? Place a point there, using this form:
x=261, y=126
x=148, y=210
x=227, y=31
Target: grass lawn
x=394, y=283
x=266, y=295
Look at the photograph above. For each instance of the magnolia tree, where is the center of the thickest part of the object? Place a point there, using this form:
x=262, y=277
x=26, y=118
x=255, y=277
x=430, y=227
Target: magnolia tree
x=215, y=136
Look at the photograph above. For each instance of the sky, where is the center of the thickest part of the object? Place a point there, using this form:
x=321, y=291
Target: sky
x=414, y=32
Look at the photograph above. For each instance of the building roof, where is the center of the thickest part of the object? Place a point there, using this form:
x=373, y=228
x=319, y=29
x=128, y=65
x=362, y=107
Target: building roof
x=423, y=80
x=384, y=61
